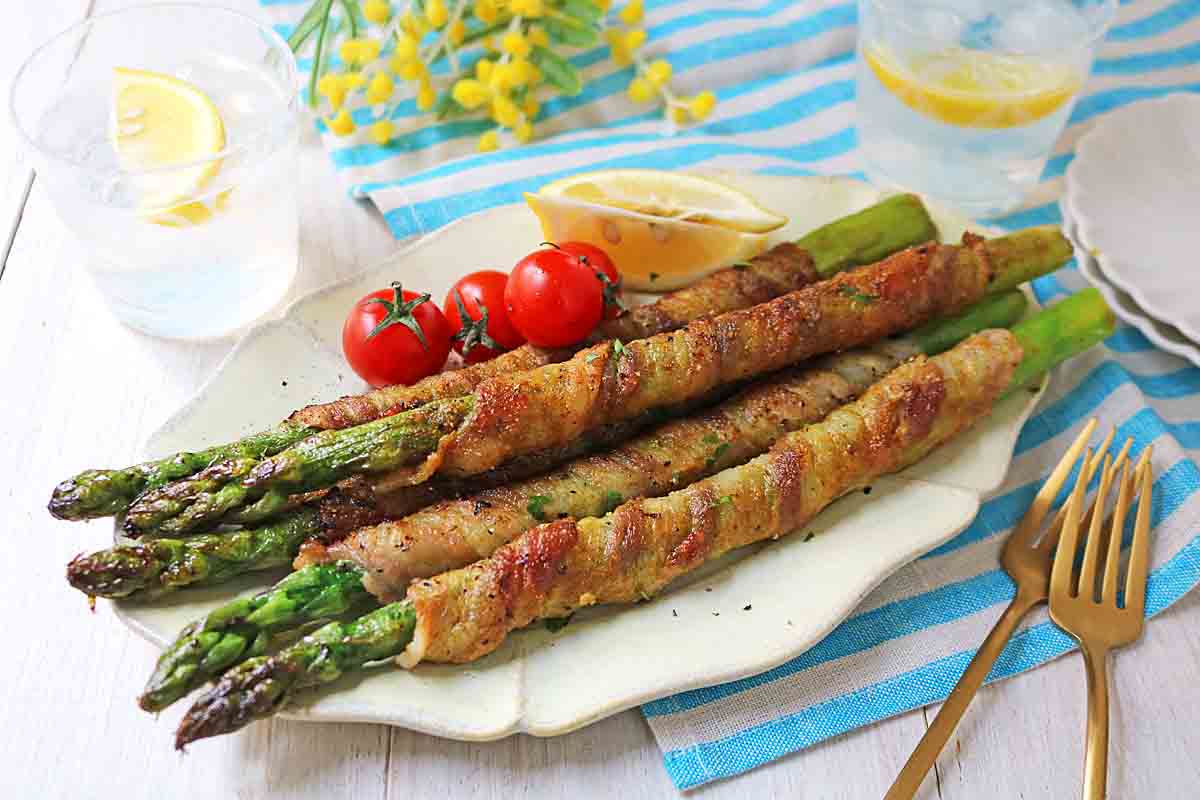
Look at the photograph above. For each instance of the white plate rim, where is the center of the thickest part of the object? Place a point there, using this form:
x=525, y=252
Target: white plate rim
x=1148, y=303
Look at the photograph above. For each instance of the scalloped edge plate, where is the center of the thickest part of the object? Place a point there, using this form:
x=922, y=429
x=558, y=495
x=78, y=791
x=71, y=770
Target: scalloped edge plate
x=608, y=659
x=1132, y=191
x=1166, y=337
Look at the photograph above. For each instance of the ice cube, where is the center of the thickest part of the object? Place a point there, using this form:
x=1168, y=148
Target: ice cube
x=1038, y=27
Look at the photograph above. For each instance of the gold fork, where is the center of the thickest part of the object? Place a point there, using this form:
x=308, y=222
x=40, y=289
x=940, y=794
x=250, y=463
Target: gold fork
x=1028, y=563
x=1093, y=617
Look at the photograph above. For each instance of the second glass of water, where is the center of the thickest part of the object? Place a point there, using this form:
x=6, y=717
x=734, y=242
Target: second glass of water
x=166, y=138
x=963, y=100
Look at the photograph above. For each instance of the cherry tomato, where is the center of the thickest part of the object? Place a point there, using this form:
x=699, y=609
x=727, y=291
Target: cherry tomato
x=553, y=298
x=601, y=263
x=488, y=331
x=381, y=341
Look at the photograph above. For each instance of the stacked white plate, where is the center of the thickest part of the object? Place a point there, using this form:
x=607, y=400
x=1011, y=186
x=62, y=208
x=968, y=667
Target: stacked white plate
x=1132, y=208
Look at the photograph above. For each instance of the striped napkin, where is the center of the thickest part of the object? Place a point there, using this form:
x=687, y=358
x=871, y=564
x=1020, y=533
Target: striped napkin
x=784, y=74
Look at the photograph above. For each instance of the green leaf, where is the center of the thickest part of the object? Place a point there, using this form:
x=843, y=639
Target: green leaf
x=558, y=71
x=619, y=348
x=584, y=10
x=570, y=31
x=537, y=507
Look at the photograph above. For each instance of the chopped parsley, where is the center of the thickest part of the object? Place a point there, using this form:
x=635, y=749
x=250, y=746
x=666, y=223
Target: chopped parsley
x=556, y=624
x=717, y=452
x=857, y=296
x=742, y=265
x=619, y=348
x=712, y=438
x=537, y=507
x=725, y=500
x=592, y=357
x=610, y=501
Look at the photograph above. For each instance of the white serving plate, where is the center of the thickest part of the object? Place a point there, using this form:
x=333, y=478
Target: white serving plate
x=1167, y=337
x=1134, y=192
x=607, y=659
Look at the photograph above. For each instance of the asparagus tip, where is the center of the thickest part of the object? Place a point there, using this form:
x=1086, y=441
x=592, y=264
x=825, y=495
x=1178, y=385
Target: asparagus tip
x=111, y=573
x=255, y=688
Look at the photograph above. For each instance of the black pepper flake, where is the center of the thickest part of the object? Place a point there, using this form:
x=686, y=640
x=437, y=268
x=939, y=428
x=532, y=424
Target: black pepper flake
x=866, y=490
x=808, y=536
x=283, y=383
x=674, y=613
x=716, y=613
x=746, y=607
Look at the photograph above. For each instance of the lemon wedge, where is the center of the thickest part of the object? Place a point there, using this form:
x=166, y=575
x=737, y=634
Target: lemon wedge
x=159, y=121
x=973, y=89
x=662, y=229
x=673, y=195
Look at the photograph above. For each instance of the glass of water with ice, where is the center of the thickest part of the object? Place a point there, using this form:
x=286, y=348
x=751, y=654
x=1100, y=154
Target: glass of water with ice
x=166, y=137
x=963, y=100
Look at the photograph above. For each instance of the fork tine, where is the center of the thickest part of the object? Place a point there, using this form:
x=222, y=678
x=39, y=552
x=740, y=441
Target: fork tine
x=1031, y=523
x=1089, y=469
x=1091, y=550
x=1064, y=556
x=1139, y=551
x=1108, y=591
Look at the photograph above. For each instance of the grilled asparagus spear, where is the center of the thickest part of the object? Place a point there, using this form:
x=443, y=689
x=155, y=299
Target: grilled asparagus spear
x=551, y=406
x=154, y=567
x=635, y=551
x=455, y=533
x=860, y=238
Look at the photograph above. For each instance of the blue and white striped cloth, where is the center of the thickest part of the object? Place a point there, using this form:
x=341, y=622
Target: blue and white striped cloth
x=784, y=74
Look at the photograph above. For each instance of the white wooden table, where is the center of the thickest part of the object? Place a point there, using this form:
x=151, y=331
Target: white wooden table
x=79, y=390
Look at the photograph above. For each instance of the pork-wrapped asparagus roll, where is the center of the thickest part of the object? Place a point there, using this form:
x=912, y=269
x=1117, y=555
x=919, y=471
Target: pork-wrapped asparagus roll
x=551, y=406
x=633, y=552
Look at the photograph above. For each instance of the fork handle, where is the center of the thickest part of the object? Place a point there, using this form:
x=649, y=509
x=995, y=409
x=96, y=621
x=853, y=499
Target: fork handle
x=917, y=767
x=1095, y=761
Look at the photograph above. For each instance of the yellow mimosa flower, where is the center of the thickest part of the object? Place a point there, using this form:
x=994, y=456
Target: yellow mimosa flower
x=380, y=89
x=426, y=96
x=357, y=52
x=377, y=11
x=702, y=105
x=488, y=142
x=633, y=12
x=528, y=8
x=382, y=131
x=342, y=124
x=659, y=72
x=436, y=13
x=641, y=90
x=470, y=94
x=486, y=11
x=456, y=32
x=505, y=111
x=515, y=43
x=523, y=131
x=538, y=36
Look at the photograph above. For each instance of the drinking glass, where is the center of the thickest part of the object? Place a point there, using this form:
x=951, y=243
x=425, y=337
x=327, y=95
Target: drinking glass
x=182, y=250
x=963, y=100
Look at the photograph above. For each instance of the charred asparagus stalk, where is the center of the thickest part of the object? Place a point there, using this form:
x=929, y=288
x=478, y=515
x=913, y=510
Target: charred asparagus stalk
x=635, y=551
x=860, y=238
x=512, y=415
x=154, y=567
x=675, y=454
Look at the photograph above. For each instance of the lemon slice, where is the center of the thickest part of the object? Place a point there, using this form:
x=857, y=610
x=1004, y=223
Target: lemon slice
x=652, y=253
x=973, y=89
x=159, y=121
x=670, y=195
